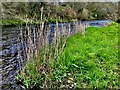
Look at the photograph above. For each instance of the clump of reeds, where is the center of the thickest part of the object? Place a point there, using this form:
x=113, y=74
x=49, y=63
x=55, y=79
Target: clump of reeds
x=41, y=54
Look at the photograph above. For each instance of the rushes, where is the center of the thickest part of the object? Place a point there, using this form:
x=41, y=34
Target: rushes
x=41, y=54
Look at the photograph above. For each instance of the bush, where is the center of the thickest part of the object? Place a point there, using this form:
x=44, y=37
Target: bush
x=118, y=20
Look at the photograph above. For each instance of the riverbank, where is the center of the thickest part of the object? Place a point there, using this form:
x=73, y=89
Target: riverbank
x=87, y=61
x=18, y=22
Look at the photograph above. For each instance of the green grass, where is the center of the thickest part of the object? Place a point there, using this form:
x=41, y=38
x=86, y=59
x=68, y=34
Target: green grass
x=93, y=59
x=89, y=61
x=16, y=22
x=11, y=22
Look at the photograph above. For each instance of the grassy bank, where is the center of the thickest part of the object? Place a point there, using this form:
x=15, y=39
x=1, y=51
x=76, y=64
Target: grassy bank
x=12, y=22
x=93, y=59
x=89, y=61
x=16, y=22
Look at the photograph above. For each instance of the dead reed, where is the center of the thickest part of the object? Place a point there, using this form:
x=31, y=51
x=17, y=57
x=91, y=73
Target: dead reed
x=41, y=54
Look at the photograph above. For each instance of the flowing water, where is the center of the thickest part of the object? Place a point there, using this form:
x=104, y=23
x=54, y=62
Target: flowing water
x=10, y=46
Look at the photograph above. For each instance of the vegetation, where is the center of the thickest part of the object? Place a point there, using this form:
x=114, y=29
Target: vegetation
x=17, y=22
x=87, y=61
x=64, y=12
x=118, y=20
x=93, y=59
x=11, y=22
x=93, y=10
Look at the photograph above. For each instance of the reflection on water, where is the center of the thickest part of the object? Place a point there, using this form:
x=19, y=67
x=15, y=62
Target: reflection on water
x=10, y=44
x=11, y=61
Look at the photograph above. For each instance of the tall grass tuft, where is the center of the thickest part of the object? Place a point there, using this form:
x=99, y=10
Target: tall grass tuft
x=42, y=55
